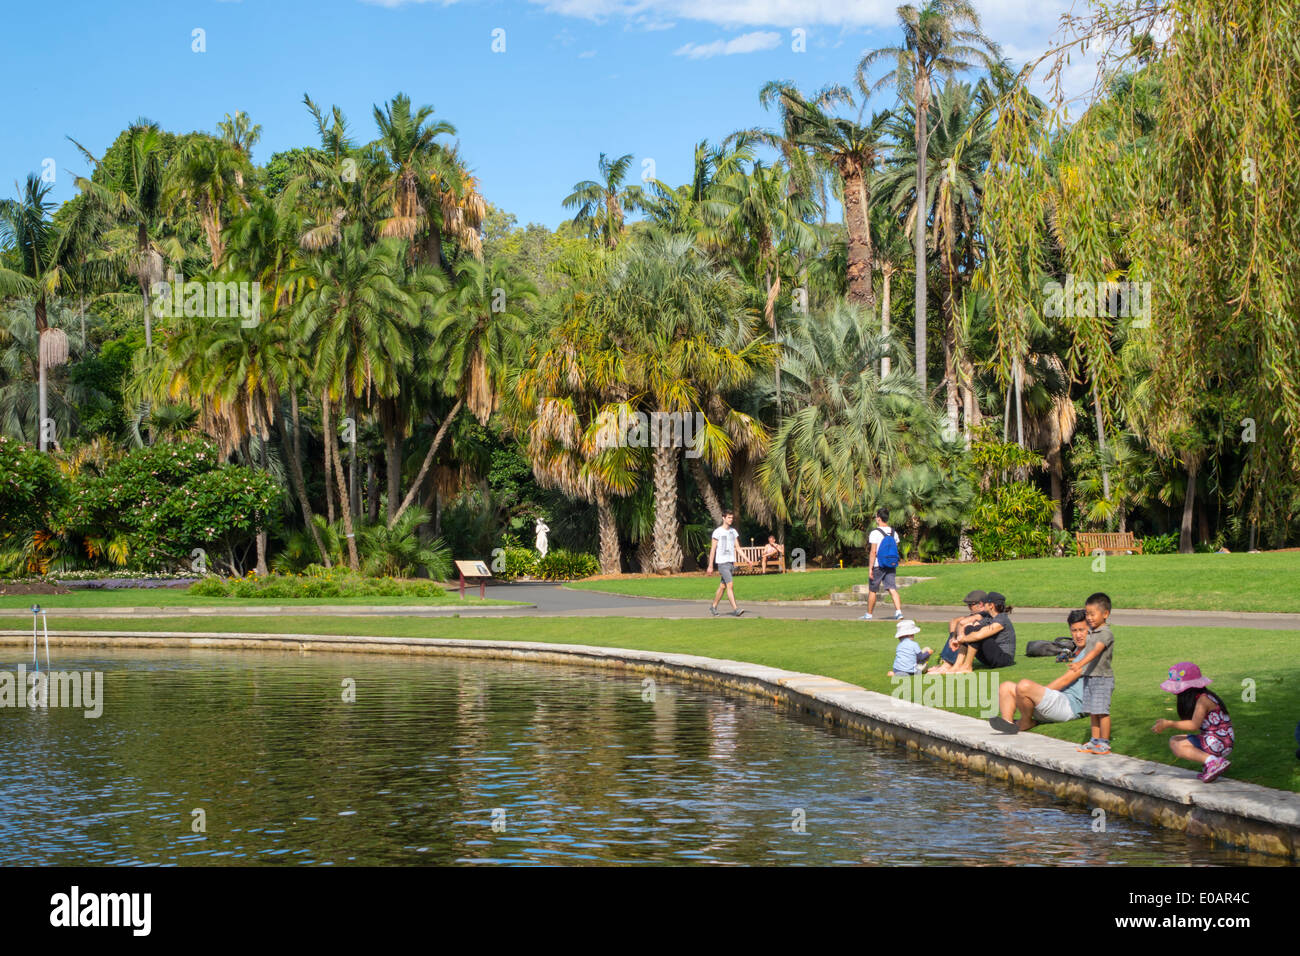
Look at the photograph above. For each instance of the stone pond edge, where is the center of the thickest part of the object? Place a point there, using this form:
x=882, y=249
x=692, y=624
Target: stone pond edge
x=1249, y=816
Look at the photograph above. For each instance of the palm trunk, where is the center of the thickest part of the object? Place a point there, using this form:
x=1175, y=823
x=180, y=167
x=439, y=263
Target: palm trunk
x=886, y=273
x=611, y=561
x=858, y=227
x=372, y=491
x=293, y=451
x=667, y=549
x=428, y=460
x=42, y=401
x=1189, y=498
x=919, y=229
x=951, y=398
x=354, y=486
x=392, y=456
x=1101, y=441
x=706, y=489
x=261, y=554
x=332, y=457
x=1056, y=476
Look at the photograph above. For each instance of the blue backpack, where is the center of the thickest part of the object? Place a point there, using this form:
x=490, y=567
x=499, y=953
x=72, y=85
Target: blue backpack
x=887, y=551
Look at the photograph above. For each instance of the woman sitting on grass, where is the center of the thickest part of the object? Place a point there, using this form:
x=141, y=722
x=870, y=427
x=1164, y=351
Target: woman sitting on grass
x=1200, y=710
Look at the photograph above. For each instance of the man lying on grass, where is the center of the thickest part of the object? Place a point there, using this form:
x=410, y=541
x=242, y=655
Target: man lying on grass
x=1059, y=701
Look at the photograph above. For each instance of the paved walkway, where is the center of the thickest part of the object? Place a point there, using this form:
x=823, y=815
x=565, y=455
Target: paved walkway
x=555, y=600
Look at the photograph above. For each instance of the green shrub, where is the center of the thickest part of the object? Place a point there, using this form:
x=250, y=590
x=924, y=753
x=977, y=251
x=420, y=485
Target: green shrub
x=561, y=565
x=333, y=583
x=1161, y=543
x=516, y=562
x=1012, y=521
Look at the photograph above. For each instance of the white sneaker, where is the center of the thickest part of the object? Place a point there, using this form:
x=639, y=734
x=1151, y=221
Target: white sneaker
x=898, y=615
x=866, y=617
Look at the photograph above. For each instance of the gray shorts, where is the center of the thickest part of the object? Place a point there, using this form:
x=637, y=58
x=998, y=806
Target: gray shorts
x=1096, y=694
x=883, y=579
x=724, y=571
x=1054, y=708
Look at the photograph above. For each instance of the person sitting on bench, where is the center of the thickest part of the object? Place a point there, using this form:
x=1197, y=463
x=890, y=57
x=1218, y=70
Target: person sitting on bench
x=772, y=550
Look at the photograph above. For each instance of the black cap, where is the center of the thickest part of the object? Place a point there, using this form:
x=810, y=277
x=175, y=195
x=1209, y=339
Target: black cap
x=993, y=597
x=975, y=597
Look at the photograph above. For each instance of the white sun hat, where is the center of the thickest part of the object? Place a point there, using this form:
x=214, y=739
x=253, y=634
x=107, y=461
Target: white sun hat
x=906, y=628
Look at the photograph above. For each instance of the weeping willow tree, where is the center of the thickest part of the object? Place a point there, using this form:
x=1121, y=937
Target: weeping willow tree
x=1181, y=173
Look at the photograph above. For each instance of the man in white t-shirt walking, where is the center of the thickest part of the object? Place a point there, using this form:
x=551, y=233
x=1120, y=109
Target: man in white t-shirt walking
x=723, y=550
x=884, y=564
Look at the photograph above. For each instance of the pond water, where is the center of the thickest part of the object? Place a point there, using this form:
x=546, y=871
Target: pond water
x=440, y=761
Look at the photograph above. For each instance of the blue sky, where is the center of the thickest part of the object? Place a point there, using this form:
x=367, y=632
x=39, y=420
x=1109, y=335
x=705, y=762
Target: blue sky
x=577, y=77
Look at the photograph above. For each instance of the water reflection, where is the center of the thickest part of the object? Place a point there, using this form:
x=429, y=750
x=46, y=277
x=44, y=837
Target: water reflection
x=582, y=767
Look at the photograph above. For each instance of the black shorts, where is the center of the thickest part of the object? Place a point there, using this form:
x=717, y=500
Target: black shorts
x=990, y=655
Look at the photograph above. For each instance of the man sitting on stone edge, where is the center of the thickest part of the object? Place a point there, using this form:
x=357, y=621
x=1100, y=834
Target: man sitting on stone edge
x=1059, y=701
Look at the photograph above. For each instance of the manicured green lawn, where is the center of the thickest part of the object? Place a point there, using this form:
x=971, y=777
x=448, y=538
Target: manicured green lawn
x=177, y=597
x=862, y=653
x=1209, y=582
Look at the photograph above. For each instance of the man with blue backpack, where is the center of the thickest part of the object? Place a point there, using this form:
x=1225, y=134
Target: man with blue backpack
x=884, y=564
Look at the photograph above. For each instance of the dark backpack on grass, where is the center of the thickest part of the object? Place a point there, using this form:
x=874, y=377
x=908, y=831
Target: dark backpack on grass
x=1062, y=645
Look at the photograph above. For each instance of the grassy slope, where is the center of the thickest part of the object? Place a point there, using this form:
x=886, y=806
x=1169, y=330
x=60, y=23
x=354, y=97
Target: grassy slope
x=178, y=597
x=1211, y=582
x=862, y=653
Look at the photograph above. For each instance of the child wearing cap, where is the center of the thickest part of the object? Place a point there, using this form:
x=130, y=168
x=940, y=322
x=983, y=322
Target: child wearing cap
x=1200, y=710
x=910, y=657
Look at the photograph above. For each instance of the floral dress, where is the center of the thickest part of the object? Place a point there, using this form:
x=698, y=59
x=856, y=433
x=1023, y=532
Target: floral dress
x=1216, y=736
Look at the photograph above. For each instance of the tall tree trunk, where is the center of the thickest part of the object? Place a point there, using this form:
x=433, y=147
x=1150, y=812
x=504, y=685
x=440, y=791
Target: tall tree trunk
x=611, y=561
x=951, y=396
x=701, y=477
x=261, y=554
x=857, y=210
x=372, y=490
x=919, y=229
x=293, y=450
x=769, y=308
x=1101, y=441
x=1185, y=529
x=970, y=403
x=1020, y=406
x=667, y=550
x=42, y=401
x=354, y=485
x=428, y=460
x=1056, y=476
x=645, y=554
x=392, y=454
x=886, y=274
x=332, y=457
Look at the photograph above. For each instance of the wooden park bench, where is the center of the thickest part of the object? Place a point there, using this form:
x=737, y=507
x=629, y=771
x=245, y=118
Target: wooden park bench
x=753, y=561
x=1090, y=542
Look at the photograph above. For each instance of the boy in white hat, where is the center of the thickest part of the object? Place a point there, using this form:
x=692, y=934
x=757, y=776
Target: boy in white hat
x=910, y=657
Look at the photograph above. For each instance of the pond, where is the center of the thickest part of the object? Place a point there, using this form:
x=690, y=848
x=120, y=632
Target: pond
x=236, y=758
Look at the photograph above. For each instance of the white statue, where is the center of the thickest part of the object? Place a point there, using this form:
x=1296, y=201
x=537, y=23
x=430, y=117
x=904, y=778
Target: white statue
x=542, y=544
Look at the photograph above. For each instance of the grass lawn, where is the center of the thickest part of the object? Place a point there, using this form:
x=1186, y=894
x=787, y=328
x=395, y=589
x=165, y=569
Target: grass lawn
x=862, y=653
x=1208, y=582
x=179, y=597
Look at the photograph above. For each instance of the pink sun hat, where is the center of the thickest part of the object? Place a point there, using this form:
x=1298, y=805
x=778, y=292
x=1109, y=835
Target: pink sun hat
x=1184, y=676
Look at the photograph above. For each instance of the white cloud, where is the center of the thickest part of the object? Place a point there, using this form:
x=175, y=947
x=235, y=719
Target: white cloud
x=586, y=54
x=745, y=43
x=732, y=13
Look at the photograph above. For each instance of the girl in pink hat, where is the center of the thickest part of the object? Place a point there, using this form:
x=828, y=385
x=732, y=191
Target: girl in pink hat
x=1198, y=710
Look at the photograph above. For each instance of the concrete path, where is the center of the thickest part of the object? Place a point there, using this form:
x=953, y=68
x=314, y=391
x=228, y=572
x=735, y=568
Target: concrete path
x=556, y=600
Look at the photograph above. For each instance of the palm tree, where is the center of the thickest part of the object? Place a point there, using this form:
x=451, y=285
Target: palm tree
x=356, y=317
x=849, y=148
x=602, y=203
x=844, y=427
x=687, y=340
x=206, y=179
x=958, y=154
x=766, y=224
x=241, y=135
x=44, y=269
x=476, y=330
x=414, y=160
x=134, y=193
x=25, y=361
x=940, y=39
